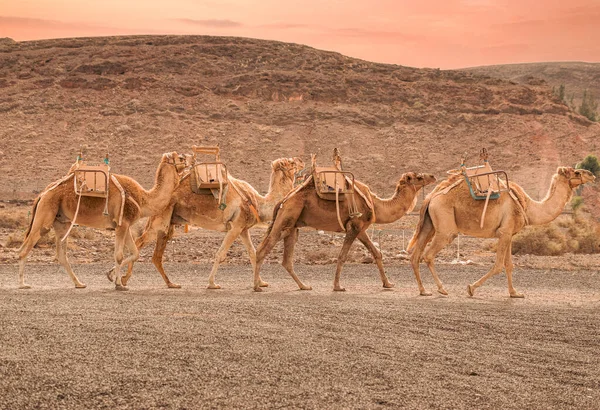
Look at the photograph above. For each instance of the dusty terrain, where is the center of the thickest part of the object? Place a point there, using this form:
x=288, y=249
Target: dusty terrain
x=153, y=347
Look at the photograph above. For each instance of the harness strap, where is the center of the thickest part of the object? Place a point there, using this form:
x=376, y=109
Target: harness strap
x=120, y=188
x=487, y=200
x=516, y=199
x=57, y=183
x=337, y=206
x=295, y=190
x=76, y=209
x=247, y=200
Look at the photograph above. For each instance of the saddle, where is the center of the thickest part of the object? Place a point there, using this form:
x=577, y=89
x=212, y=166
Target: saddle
x=91, y=179
x=333, y=184
x=483, y=182
x=209, y=177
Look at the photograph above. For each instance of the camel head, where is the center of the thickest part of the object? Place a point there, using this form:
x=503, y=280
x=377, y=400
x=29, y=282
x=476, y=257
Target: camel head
x=417, y=180
x=175, y=159
x=576, y=177
x=288, y=166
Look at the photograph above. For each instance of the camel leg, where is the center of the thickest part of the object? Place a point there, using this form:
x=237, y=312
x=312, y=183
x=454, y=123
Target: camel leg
x=427, y=232
x=221, y=254
x=155, y=224
x=60, y=229
x=134, y=255
x=120, y=238
x=364, y=238
x=43, y=218
x=159, y=250
x=247, y=241
x=508, y=265
x=438, y=243
x=280, y=225
x=28, y=244
x=351, y=234
x=289, y=243
x=503, y=243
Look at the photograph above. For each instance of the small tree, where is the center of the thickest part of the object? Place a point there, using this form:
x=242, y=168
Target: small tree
x=591, y=164
x=561, y=92
x=588, y=107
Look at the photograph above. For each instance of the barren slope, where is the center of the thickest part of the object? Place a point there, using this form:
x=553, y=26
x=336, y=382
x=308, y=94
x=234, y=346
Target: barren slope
x=141, y=96
x=575, y=76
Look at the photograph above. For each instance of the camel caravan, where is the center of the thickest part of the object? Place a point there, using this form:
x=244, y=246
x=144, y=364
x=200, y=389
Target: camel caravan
x=197, y=189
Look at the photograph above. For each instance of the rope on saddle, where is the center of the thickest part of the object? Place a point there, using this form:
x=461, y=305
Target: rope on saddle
x=120, y=188
x=247, y=200
x=76, y=209
x=337, y=206
x=487, y=200
x=521, y=209
x=57, y=183
x=295, y=190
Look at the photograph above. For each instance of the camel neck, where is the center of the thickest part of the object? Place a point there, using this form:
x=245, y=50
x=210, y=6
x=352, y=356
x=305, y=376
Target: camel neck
x=391, y=209
x=279, y=185
x=548, y=209
x=158, y=197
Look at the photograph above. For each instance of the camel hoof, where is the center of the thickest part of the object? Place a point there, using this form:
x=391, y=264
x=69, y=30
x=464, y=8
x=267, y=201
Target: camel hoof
x=470, y=290
x=258, y=289
x=263, y=284
x=339, y=289
x=111, y=275
x=388, y=285
x=172, y=285
x=304, y=287
x=443, y=291
x=25, y=286
x=517, y=295
x=80, y=286
x=121, y=288
x=425, y=293
x=214, y=286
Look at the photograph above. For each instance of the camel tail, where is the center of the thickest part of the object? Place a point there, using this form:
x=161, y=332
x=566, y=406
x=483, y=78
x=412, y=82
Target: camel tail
x=423, y=218
x=33, y=212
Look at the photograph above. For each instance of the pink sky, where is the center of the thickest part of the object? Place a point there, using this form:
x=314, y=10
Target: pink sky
x=419, y=33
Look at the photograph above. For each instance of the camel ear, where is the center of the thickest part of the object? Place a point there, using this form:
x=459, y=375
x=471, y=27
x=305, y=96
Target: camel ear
x=168, y=157
x=564, y=171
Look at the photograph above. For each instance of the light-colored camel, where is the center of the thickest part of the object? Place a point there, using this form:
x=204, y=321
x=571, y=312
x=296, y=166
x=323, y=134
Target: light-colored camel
x=444, y=216
x=56, y=208
x=203, y=211
x=306, y=208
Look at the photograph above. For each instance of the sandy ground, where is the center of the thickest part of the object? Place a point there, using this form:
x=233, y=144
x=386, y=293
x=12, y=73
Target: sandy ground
x=154, y=347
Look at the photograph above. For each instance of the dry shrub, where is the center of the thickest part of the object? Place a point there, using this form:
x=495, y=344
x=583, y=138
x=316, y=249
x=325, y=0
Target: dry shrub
x=12, y=219
x=579, y=234
x=546, y=240
x=583, y=234
x=13, y=240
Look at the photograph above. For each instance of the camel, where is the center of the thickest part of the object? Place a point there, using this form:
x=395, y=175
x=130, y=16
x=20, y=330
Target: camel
x=57, y=205
x=245, y=209
x=306, y=208
x=446, y=214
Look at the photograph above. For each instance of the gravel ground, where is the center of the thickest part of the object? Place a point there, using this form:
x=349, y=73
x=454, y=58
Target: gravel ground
x=154, y=347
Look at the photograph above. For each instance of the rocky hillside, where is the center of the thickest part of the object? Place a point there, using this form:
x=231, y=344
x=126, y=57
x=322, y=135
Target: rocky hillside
x=577, y=77
x=138, y=97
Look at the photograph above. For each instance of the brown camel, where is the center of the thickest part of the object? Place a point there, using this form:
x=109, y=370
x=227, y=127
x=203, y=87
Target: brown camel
x=56, y=208
x=236, y=219
x=445, y=215
x=306, y=208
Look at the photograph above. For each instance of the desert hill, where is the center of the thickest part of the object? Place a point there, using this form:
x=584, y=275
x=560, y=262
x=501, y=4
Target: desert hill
x=577, y=77
x=141, y=96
